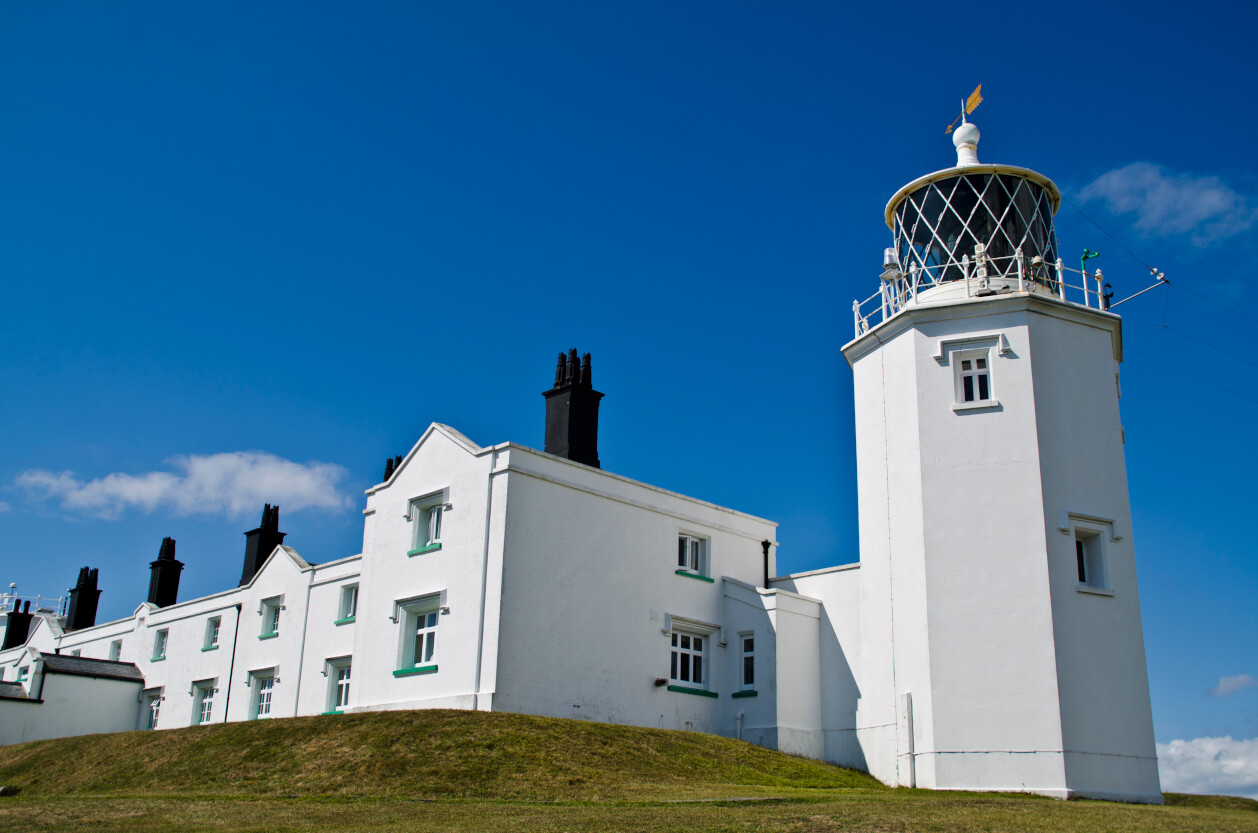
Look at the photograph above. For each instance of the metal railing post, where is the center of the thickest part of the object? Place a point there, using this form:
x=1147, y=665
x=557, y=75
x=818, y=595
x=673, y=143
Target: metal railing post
x=1061, y=279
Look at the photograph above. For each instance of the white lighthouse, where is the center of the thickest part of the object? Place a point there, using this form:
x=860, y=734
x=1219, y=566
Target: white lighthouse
x=1001, y=643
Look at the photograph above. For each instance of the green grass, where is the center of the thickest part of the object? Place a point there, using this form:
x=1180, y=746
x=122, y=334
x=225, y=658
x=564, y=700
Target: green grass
x=455, y=770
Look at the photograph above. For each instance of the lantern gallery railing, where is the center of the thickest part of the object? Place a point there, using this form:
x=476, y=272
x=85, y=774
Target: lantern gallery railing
x=980, y=277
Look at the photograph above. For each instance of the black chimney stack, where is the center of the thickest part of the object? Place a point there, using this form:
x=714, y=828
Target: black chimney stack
x=261, y=542
x=83, y=600
x=18, y=627
x=572, y=411
x=164, y=580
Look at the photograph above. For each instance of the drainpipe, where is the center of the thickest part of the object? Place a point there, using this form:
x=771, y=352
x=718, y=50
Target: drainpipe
x=301, y=657
x=484, y=578
x=740, y=725
x=231, y=673
x=765, y=544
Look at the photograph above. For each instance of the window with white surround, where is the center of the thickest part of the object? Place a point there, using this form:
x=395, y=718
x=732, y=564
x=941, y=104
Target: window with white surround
x=692, y=554
x=21, y=673
x=271, y=617
x=203, y=702
x=747, y=672
x=263, y=684
x=212, y=627
x=973, y=374
x=425, y=515
x=152, y=707
x=687, y=664
x=159, y=644
x=1089, y=558
x=349, y=604
x=115, y=650
x=1089, y=538
x=338, y=683
x=419, y=619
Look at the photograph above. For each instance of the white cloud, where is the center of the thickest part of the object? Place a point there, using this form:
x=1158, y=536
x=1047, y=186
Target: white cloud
x=1210, y=766
x=1167, y=203
x=1231, y=685
x=232, y=483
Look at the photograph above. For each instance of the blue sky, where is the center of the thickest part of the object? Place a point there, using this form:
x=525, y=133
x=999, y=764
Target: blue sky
x=250, y=250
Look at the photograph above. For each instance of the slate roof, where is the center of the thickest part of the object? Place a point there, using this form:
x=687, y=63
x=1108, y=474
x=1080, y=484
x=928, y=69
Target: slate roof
x=85, y=667
x=12, y=691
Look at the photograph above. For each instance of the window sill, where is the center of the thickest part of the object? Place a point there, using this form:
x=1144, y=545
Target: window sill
x=681, y=689
x=422, y=550
x=975, y=406
x=348, y=620
x=423, y=669
x=748, y=693
x=334, y=711
x=157, y=659
x=210, y=648
x=689, y=574
x=1095, y=591
x=268, y=635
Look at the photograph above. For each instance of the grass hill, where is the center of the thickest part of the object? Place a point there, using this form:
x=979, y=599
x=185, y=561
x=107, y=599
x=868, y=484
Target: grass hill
x=414, y=754
x=456, y=770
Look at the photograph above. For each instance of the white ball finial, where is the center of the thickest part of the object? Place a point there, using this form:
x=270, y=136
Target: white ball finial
x=965, y=139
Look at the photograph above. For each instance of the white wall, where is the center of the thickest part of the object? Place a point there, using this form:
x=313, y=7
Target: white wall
x=72, y=705
x=590, y=586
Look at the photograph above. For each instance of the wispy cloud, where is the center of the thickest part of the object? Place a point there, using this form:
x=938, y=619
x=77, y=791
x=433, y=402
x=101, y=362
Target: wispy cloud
x=1204, y=208
x=1210, y=766
x=4, y=507
x=1231, y=685
x=232, y=483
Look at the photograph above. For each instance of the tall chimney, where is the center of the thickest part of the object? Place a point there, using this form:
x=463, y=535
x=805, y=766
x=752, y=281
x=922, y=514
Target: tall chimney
x=164, y=579
x=19, y=625
x=261, y=542
x=572, y=411
x=83, y=600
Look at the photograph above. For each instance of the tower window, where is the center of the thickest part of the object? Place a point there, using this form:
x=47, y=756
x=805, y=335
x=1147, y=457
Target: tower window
x=426, y=515
x=1089, y=558
x=975, y=382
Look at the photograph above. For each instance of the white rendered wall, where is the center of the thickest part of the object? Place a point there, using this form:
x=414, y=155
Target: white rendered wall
x=1107, y=724
x=72, y=705
x=589, y=588
x=839, y=632
x=441, y=462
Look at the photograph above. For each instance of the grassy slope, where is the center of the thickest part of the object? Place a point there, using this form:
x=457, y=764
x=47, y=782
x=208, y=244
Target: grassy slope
x=443, y=770
x=413, y=754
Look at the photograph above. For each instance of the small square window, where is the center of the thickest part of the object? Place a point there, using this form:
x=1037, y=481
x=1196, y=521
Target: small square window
x=159, y=644
x=115, y=650
x=271, y=617
x=76, y=652
x=212, y=627
x=349, y=604
x=263, y=689
x=692, y=554
x=426, y=516
x=1090, y=558
x=419, y=619
x=686, y=665
x=152, y=708
x=203, y=702
x=21, y=673
x=973, y=378
x=338, y=683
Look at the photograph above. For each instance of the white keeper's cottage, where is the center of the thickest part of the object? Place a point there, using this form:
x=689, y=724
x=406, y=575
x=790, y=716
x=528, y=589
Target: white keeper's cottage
x=988, y=639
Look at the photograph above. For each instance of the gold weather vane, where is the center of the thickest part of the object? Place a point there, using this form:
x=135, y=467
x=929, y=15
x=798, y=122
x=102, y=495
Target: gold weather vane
x=967, y=106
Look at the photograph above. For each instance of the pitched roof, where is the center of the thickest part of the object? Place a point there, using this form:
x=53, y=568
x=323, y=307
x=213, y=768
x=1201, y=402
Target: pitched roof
x=85, y=667
x=12, y=691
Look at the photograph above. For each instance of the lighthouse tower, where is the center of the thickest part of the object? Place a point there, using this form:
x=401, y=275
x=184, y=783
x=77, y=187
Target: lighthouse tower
x=1001, y=644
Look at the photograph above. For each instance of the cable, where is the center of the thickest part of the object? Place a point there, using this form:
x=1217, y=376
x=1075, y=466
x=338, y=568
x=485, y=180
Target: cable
x=1194, y=375
x=1211, y=346
x=1110, y=236
x=1216, y=303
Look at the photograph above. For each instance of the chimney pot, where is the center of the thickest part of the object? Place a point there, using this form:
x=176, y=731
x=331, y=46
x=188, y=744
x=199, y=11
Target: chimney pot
x=572, y=411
